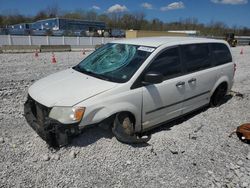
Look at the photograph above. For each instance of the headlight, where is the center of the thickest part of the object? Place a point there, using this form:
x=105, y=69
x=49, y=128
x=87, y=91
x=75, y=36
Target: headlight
x=67, y=115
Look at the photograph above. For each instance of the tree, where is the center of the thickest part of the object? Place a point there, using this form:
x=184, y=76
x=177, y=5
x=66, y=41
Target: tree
x=126, y=20
x=40, y=15
x=91, y=16
x=52, y=11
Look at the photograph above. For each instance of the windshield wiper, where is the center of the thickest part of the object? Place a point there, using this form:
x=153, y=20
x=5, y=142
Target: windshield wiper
x=82, y=70
x=99, y=76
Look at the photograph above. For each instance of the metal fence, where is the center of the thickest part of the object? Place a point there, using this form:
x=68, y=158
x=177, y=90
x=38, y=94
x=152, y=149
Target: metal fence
x=52, y=40
x=75, y=41
x=242, y=40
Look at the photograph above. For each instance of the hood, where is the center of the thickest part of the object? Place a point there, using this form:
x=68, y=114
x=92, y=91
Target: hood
x=67, y=88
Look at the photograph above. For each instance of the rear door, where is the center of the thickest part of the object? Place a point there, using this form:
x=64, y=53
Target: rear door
x=163, y=101
x=200, y=75
x=222, y=60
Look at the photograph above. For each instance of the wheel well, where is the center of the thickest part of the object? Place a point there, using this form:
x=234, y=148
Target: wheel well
x=221, y=84
x=214, y=100
x=131, y=116
x=109, y=120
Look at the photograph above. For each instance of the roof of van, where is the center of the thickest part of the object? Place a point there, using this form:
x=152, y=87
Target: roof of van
x=158, y=41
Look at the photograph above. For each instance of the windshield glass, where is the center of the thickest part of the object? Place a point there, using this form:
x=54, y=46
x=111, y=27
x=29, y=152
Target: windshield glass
x=114, y=62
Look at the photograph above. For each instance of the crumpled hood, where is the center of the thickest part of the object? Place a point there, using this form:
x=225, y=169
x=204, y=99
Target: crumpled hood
x=67, y=88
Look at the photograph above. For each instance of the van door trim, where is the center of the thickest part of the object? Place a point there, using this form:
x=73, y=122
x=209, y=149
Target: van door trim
x=160, y=108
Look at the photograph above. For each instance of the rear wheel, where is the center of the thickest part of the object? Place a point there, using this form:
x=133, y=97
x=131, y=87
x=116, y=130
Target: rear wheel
x=219, y=95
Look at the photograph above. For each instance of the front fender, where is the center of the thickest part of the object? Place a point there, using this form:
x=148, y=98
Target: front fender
x=101, y=113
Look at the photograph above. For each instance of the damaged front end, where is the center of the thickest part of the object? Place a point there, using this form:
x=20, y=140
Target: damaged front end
x=52, y=131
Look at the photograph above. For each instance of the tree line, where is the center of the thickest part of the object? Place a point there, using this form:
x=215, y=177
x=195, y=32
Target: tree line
x=136, y=21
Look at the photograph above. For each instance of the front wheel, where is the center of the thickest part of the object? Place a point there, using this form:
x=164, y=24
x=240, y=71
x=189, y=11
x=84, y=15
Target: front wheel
x=219, y=95
x=123, y=129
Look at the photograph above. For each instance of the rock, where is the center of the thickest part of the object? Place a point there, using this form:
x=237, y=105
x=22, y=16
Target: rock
x=29, y=145
x=183, y=182
x=46, y=157
x=152, y=151
x=217, y=179
x=237, y=186
x=245, y=178
x=238, y=173
x=56, y=157
x=212, y=159
x=244, y=184
x=210, y=172
x=233, y=167
x=230, y=175
x=240, y=163
x=1, y=140
x=218, y=184
x=242, y=169
x=173, y=150
x=229, y=185
x=193, y=137
x=248, y=156
x=128, y=162
x=72, y=154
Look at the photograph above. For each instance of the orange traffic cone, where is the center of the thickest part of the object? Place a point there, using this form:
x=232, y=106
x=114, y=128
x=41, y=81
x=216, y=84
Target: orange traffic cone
x=36, y=53
x=241, y=51
x=83, y=52
x=53, y=59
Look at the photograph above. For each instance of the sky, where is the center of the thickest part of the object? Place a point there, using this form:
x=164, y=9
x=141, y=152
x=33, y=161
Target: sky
x=231, y=12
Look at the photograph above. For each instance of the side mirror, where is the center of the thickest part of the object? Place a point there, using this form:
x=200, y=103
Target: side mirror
x=152, y=78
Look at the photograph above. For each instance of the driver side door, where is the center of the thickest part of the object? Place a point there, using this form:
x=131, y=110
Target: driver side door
x=164, y=101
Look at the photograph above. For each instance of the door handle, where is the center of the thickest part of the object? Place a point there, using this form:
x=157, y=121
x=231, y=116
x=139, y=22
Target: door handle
x=179, y=84
x=192, y=80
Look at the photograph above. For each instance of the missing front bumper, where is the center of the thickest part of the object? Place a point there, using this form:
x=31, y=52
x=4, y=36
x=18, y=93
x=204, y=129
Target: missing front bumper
x=52, y=131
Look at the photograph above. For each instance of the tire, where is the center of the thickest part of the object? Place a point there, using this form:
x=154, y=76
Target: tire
x=219, y=95
x=123, y=129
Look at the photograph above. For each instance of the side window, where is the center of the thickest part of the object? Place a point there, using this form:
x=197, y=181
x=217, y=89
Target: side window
x=167, y=63
x=196, y=57
x=221, y=54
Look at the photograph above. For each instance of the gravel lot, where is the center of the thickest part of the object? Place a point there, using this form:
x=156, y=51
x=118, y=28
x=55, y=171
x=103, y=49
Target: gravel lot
x=193, y=152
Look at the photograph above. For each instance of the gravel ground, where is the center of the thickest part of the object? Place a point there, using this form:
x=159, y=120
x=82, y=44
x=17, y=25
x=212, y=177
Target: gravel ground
x=193, y=152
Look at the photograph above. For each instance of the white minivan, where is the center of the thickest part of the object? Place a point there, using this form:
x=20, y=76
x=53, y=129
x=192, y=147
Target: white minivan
x=131, y=85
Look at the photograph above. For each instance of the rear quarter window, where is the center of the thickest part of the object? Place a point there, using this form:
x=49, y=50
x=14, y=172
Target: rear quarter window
x=221, y=54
